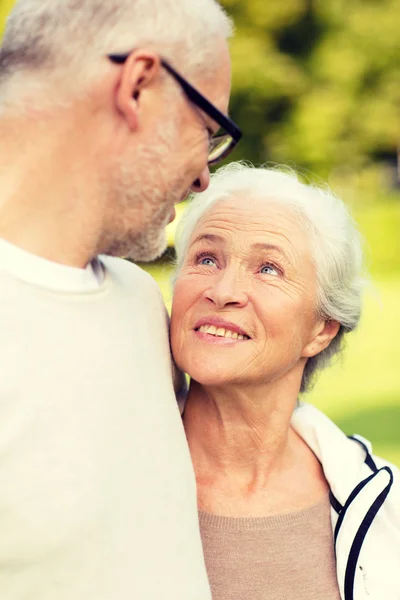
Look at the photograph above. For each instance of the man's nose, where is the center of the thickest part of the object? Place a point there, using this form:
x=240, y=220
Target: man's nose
x=202, y=182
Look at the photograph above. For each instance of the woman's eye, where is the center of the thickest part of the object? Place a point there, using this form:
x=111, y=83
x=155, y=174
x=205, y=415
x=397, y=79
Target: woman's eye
x=269, y=269
x=207, y=261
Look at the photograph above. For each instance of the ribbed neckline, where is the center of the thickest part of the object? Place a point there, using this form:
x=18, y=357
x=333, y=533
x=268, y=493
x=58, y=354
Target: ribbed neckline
x=41, y=272
x=209, y=520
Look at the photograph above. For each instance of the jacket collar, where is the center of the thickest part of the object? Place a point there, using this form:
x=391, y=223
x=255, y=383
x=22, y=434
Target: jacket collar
x=342, y=460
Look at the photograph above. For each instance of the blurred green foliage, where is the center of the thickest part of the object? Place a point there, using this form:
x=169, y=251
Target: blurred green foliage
x=317, y=82
x=5, y=7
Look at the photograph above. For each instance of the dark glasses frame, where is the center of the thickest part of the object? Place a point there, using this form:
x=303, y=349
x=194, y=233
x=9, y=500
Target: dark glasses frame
x=205, y=105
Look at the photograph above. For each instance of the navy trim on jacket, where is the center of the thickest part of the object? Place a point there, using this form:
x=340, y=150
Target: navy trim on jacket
x=367, y=521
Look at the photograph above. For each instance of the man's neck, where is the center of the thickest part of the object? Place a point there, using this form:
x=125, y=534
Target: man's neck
x=49, y=202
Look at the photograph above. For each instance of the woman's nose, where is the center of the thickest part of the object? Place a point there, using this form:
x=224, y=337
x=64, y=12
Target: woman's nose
x=202, y=182
x=228, y=290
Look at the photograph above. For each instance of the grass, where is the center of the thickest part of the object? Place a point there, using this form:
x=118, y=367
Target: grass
x=361, y=391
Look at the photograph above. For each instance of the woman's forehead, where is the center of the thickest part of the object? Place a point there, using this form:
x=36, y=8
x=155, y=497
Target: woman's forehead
x=249, y=215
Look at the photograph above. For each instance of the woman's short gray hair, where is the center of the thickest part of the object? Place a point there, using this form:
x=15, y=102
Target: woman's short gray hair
x=336, y=244
x=66, y=34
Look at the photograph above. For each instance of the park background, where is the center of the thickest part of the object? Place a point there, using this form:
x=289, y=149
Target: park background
x=316, y=85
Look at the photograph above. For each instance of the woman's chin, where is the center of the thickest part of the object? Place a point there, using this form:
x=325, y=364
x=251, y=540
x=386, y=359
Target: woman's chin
x=211, y=378
x=208, y=369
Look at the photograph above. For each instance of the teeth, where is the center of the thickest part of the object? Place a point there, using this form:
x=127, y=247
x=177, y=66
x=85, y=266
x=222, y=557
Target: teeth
x=222, y=332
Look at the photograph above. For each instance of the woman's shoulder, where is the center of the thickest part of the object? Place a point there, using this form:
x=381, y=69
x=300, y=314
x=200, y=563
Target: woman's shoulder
x=347, y=460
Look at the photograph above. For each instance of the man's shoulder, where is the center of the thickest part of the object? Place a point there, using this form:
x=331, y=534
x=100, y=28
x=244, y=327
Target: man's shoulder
x=128, y=272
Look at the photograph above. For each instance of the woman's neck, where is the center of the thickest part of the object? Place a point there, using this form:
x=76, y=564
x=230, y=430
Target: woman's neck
x=243, y=431
x=247, y=458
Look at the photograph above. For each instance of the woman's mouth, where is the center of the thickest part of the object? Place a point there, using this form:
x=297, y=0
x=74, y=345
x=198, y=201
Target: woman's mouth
x=221, y=332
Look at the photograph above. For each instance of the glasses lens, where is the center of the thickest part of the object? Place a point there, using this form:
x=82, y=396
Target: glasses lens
x=220, y=146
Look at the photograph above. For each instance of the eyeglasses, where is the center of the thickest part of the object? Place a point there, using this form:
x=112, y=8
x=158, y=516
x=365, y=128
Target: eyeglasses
x=221, y=144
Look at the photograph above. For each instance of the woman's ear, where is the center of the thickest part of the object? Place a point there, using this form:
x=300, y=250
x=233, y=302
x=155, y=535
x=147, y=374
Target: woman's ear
x=323, y=334
x=138, y=72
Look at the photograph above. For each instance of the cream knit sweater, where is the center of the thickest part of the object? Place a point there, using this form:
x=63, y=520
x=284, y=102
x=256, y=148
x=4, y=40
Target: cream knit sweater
x=97, y=493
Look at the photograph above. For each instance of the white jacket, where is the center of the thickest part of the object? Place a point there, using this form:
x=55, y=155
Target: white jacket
x=365, y=508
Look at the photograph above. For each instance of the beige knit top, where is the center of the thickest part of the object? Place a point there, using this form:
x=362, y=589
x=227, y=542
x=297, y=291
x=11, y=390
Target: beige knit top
x=282, y=557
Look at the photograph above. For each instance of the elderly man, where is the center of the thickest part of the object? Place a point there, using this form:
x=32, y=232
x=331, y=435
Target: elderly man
x=108, y=116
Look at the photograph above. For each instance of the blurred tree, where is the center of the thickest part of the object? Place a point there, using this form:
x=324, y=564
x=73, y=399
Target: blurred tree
x=317, y=82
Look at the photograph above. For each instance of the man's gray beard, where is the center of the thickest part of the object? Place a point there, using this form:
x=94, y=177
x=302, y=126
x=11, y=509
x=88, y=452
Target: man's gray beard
x=135, y=190
x=146, y=245
x=149, y=244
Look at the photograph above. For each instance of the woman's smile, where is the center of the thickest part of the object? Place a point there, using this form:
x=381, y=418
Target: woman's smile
x=216, y=330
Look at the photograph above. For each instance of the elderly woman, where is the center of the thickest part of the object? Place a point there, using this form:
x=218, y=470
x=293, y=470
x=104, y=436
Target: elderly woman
x=268, y=283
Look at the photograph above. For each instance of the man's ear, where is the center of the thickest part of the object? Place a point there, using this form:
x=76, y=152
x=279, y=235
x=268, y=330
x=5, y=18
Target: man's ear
x=323, y=334
x=138, y=72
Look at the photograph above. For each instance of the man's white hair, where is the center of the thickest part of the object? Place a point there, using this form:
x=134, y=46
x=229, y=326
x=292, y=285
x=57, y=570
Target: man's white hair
x=74, y=34
x=336, y=244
